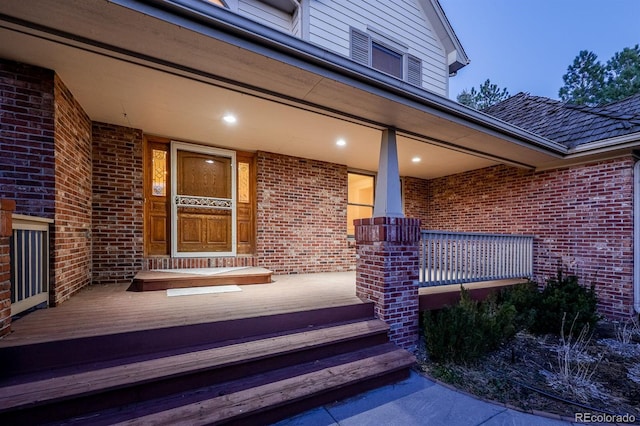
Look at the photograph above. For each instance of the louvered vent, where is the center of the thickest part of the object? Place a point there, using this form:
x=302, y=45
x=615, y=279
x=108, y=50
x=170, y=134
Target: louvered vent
x=414, y=70
x=360, y=46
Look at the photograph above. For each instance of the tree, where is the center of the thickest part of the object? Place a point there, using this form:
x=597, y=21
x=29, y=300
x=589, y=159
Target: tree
x=623, y=75
x=488, y=94
x=589, y=82
x=584, y=80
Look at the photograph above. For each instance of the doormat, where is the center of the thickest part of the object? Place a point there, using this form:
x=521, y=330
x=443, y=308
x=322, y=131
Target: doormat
x=190, y=291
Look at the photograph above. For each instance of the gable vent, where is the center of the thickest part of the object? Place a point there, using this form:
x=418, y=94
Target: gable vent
x=360, y=46
x=414, y=70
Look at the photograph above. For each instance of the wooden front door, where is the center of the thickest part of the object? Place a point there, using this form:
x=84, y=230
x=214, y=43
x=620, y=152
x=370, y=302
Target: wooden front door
x=191, y=200
x=204, y=202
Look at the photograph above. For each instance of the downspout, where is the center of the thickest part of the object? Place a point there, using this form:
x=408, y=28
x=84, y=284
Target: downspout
x=636, y=237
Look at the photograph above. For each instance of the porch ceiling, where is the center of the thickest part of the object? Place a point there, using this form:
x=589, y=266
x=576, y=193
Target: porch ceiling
x=140, y=71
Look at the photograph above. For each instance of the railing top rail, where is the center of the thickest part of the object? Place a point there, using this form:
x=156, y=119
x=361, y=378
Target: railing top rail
x=33, y=223
x=473, y=234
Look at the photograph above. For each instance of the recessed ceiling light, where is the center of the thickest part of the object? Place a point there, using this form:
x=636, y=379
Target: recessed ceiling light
x=230, y=119
x=341, y=142
x=209, y=161
x=416, y=159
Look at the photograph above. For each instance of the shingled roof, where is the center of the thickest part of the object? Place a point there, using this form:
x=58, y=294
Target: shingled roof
x=569, y=124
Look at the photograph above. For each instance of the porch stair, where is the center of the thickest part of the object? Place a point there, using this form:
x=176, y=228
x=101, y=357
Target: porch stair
x=184, y=278
x=272, y=368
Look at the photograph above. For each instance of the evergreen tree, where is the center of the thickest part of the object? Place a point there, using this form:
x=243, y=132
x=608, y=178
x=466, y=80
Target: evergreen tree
x=488, y=94
x=584, y=80
x=589, y=82
x=623, y=75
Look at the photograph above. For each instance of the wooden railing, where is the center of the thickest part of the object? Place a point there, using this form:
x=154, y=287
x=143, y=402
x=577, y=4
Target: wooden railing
x=458, y=258
x=29, y=247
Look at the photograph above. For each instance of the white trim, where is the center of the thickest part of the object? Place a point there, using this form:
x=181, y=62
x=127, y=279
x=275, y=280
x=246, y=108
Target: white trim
x=174, y=209
x=636, y=237
x=381, y=38
x=624, y=141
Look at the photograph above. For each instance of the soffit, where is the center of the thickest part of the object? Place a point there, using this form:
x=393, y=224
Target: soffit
x=180, y=81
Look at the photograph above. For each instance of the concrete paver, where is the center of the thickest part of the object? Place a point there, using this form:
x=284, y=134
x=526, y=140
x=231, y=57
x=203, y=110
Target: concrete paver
x=416, y=401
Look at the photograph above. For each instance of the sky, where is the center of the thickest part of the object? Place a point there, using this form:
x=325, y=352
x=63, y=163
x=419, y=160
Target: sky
x=527, y=45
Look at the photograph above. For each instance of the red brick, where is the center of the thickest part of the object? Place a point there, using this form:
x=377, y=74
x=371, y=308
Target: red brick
x=581, y=217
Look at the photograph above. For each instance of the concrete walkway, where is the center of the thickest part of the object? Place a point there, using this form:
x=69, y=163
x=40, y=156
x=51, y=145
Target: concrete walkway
x=416, y=401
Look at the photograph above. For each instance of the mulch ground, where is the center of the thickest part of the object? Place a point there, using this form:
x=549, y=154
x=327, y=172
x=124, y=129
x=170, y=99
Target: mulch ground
x=599, y=373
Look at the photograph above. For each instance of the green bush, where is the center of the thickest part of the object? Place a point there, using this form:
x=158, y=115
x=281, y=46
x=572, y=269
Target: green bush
x=468, y=330
x=565, y=296
x=525, y=299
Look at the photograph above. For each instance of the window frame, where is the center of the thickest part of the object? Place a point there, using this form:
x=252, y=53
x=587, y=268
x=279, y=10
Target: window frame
x=361, y=50
x=202, y=149
x=373, y=200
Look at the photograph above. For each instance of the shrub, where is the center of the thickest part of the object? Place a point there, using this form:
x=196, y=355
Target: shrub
x=468, y=330
x=525, y=299
x=563, y=296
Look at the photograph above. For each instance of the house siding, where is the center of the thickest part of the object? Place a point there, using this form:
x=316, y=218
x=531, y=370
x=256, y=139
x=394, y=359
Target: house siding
x=117, y=203
x=267, y=15
x=302, y=215
x=73, y=176
x=405, y=21
x=581, y=217
x=27, y=143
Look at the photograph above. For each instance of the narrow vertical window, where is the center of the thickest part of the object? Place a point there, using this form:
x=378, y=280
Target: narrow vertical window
x=159, y=173
x=360, y=199
x=243, y=182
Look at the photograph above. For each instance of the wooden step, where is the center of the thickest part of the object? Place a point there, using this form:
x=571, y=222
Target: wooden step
x=271, y=398
x=95, y=390
x=76, y=354
x=168, y=279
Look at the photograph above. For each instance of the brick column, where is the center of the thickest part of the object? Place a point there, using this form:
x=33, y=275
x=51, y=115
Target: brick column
x=387, y=273
x=6, y=210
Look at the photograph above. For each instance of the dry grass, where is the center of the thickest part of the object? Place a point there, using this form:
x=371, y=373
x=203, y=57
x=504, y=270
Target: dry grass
x=554, y=374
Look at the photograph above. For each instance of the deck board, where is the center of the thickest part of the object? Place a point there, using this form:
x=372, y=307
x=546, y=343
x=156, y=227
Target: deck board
x=87, y=382
x=182, y=278
x=98, y=310
x=437, y=297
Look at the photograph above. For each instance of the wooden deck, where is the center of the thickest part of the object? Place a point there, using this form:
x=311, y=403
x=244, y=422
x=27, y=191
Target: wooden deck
x=99, y=310
x=437, y=297
x=252, y=355
x=185, y=278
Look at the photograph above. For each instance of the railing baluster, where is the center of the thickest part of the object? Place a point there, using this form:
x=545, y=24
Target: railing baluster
x=457, y=257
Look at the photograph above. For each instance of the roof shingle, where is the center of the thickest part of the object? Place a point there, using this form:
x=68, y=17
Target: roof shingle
x=569, y=124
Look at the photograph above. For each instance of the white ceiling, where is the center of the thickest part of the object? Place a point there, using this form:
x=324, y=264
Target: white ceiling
x=182, y=105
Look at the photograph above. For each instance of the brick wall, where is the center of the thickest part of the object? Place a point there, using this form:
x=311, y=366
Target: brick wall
x=46, y=167
x=72, y=227
x=117, y=203
x=6, y=210
x=415, y=195
x=302, y=215
x=27, y=142
x=387, y=273
x=581, y=217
